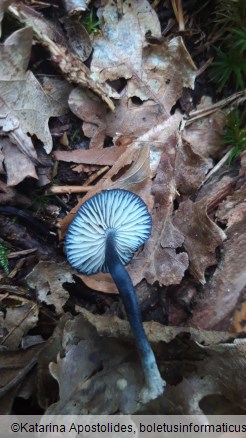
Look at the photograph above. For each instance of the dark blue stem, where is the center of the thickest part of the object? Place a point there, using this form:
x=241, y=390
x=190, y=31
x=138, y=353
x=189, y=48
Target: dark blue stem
x=129, y=298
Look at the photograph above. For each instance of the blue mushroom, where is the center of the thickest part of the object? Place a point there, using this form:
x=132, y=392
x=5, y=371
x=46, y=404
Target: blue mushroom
x=103, y=237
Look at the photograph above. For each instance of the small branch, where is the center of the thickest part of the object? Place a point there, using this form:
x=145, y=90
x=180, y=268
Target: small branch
x=96, y=175
x=62, y=190
x=218, y=165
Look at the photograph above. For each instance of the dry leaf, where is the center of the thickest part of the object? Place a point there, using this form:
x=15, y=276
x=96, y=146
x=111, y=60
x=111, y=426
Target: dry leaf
x=13, y=155
x=202, y=236
x=220, y=295
x=118, y=53
x=70, y=65
x=20, y=90
x=94, y=374
x=48, y=278
x=78, y=37
x=163, y=263
x=18, y=321
x=99, y=371
x=204, y=135
x=190, y=169
x=107, y=156
x=233, y=208
x=14, y=367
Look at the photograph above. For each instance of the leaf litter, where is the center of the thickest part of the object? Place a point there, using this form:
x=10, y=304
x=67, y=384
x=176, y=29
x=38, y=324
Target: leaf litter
x=195, y=257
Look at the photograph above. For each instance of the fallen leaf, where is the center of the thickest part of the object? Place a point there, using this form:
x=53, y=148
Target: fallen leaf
x=83, y=386
x=48, y=278
x=97, y=349
x=107, y=156
x=190, y=169
x=70, y=65
x=163, y=263
x=78, y=37
x=25, y=168
x=34, y=108
x=127, y=119
x=118, y=52
x=204, y=134
x=219, y=297
x=14, y=367
x=202, y=236
x=233, y=209
x=19, y=319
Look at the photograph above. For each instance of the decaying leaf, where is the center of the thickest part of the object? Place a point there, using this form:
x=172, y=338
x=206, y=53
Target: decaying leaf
x=21, y=91
x=204, y=135
x=163, y=264
x=220, y=295
x=18, y=320
x=47, y=278
x=99, y=370
x=202, y=236
x=70, y=64
x=14, y=367
x=233, y=209
x=78, y=37
x=13, y=155
x=190, y=168
x=103, y=157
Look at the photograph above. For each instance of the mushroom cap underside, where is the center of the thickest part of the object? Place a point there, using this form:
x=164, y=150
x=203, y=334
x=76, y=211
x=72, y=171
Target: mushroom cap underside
x=118, y=212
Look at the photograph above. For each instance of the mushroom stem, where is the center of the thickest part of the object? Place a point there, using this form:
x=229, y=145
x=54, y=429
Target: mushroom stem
x=127, y=292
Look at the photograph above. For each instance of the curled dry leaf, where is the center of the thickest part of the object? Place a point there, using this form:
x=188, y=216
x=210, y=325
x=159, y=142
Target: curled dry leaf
x=13, y=155
x=48, y=278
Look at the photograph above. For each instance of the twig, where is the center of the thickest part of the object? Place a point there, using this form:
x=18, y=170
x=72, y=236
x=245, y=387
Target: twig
x=178, y=11
x=240, y=96
x=218, y=165
x=96, y=175
x=24, y=252
x=62, y=190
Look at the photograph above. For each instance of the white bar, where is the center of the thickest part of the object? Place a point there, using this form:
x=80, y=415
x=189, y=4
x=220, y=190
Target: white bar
x=127, y=426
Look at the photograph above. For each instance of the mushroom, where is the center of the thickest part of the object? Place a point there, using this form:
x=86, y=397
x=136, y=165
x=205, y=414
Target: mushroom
x=103, y=237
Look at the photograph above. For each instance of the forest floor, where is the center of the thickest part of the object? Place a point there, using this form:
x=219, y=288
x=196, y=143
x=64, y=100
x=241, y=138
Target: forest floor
x=147, y=97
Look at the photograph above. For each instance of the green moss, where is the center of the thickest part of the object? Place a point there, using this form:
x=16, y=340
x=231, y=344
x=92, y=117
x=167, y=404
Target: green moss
x=229, y=66
x=91, y=23
x=235, y=134
x=4, y=263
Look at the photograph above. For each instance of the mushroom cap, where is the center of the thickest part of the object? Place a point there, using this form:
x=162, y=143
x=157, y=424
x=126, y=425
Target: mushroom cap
x=118, y=212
